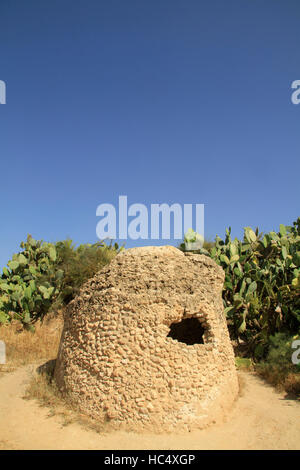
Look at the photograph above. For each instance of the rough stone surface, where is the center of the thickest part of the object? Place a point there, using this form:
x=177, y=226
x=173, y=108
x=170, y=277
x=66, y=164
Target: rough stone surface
x=116, y=360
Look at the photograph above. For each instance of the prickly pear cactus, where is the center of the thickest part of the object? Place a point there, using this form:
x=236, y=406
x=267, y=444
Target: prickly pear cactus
x=24, y=294
x=261, y=292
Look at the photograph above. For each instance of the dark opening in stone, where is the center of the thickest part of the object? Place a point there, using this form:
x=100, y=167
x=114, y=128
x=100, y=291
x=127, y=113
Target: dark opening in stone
x=188, y=331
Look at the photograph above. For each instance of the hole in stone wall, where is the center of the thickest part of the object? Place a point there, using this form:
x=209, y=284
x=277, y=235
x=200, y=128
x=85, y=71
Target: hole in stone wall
x=188, y=331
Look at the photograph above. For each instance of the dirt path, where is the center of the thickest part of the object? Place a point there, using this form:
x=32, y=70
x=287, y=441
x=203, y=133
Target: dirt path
x=260, y=419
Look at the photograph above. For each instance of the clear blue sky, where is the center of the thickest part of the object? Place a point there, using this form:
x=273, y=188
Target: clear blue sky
x=184, y=101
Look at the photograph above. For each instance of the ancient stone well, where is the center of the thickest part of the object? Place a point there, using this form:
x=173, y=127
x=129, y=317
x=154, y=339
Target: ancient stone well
x=145, y=344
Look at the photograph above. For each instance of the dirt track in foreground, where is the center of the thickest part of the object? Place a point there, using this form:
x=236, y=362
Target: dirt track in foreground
x=260, y=419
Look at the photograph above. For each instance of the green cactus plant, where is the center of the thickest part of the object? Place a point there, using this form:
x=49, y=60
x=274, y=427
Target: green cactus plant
x=262, y=283
x=21, y=283
x=43, y=276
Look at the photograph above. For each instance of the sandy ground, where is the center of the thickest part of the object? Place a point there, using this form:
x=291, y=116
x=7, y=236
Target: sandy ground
x=260, y=419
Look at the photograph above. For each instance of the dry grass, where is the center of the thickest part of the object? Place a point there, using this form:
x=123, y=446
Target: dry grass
x=243, y=363
x=292, y=385
x=24, y=347
x=43, y=389
x=242, y=385
x=282, y=380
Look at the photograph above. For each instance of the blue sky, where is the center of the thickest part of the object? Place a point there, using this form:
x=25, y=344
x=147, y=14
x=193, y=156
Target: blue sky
x=162, y=101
